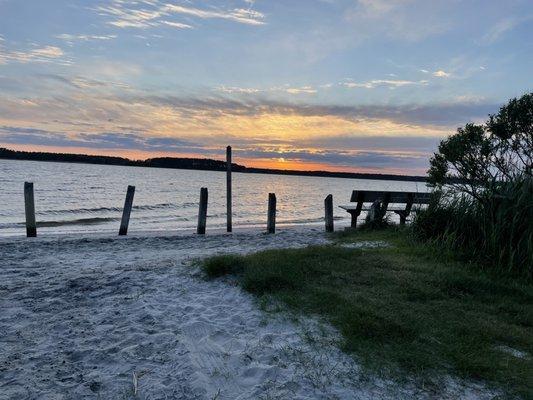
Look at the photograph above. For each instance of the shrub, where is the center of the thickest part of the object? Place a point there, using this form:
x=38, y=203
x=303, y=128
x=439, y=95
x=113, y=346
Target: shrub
x=483, y=176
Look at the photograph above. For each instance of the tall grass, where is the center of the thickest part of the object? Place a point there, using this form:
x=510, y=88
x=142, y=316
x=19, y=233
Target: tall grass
x=495, y=231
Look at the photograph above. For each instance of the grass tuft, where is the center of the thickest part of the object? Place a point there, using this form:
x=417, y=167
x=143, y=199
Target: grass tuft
x=223, y=265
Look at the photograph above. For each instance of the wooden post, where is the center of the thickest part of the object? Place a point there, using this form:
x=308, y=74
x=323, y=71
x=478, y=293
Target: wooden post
x=202, y=213
x=128, y=204
x=228, y=190
x=271, y=221
x=328, y=206
x=29, y=207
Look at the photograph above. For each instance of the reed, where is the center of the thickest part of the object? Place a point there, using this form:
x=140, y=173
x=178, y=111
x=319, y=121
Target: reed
x=496, y=232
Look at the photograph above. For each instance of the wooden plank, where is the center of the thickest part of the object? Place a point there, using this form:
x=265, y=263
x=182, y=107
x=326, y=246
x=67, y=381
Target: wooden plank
x=271, y=219
x=328, y=207
x=229, y=222
x=369, y=196
x=391, y=209
x=349, y=207
x=202, y=212
x=128, y=205
x=29, y=208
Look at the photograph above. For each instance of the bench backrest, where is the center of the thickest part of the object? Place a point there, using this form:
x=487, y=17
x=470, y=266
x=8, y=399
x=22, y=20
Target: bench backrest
x=369, y=196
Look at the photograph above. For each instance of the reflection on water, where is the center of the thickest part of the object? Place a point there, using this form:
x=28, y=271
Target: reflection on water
x=89, y=198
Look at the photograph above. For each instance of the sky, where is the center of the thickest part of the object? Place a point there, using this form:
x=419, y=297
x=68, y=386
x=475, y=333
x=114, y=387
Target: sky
x=340, y=85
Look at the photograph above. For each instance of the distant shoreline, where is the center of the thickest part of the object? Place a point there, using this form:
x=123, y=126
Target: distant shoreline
x=202, y=164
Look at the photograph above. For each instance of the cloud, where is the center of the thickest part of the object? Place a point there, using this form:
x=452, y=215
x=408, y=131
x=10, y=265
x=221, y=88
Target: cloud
x=405, y=144
x=176, y=25
x=101, y=140
x=440, y=114
x=407, y=20
x=129, y=15
x=235, y=89
x=301, y=90
x=241, y=15
x=83, y=38
x=503, y=26
x=441, y=74
x=390, y=83
x=378, y=161
x=130, y=18
x=79, y=82
x=46, y=54
x=347, y=83
x=284, y=88
x=107, y=103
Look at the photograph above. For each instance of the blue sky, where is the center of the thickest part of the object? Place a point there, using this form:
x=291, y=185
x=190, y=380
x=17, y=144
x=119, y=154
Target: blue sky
x=329, y=84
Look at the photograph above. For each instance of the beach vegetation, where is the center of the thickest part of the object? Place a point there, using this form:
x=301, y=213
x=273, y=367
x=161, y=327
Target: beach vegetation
x=406, y=310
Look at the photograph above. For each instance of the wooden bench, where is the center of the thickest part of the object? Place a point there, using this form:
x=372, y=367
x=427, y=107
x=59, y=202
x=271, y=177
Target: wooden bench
x=360, y=197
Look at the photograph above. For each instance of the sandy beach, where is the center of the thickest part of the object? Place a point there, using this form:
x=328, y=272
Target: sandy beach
x=119, y=318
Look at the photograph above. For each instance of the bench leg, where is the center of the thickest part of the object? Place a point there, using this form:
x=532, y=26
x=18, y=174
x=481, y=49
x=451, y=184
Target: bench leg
x=354, y=220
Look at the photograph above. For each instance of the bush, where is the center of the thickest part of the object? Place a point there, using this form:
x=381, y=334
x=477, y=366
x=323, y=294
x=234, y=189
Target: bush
x=483, y=176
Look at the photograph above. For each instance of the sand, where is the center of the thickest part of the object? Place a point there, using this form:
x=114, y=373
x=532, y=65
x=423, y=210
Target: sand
x=133, y=318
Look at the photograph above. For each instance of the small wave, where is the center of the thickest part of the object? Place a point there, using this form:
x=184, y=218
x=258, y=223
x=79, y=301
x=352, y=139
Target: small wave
x=306, y=220
x=79, y=221
x=78, y=210
x=105, y=209
x=154, y=206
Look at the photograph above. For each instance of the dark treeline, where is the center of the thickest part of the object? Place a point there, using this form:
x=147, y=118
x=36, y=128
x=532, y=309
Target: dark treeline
x=189, y=163
x=161, y=162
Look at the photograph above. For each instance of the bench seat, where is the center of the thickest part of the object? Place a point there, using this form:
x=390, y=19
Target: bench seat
x=350, y=207
x=381, y=200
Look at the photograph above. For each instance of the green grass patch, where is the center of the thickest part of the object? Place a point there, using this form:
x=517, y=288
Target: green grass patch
x=403, y=310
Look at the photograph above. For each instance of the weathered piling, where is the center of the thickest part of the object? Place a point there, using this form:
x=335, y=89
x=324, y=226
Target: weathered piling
x=228, y=190
x=328, y=207
x=271, y=220
x=128, y=204
x=202, y=212
x=29, y=207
